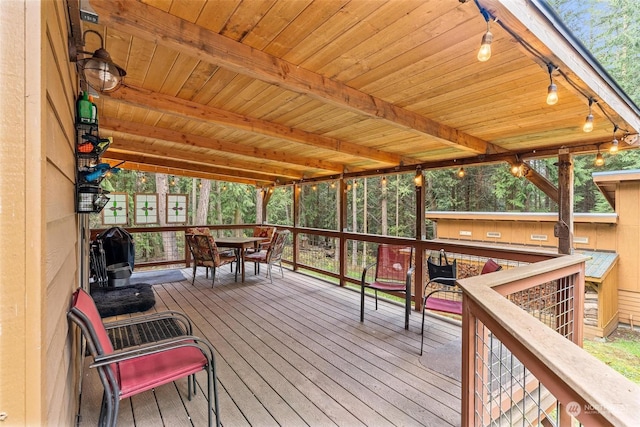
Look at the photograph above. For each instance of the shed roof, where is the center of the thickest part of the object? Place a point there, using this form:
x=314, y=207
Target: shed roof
x=599, y=264
x=279, y=91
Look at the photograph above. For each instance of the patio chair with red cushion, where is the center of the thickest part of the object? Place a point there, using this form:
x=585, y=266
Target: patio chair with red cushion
x=133, y=370
x=206, y=254
x=393, y=273
x=444, y=299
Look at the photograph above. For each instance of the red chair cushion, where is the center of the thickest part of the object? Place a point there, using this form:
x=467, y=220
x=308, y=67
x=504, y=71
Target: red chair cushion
x=387, y=286
x=490, y=266
x=445, y=305
x=147, y=372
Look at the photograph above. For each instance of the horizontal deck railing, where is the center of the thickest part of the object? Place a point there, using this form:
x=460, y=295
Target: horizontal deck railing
x=522, y=358
x=320, y=251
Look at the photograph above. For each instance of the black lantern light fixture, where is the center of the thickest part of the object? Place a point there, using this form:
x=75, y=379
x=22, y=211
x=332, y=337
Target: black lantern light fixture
x=99, y=71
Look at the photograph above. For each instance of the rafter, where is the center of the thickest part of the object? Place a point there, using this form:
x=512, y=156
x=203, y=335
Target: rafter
x=194, y=111
x=168, y=30
x=125, y=145
x=177, y=137
x=222, y=173
x=144, y=167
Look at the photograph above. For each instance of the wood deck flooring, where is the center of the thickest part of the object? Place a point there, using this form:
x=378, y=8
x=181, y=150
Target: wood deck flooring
x=294, y=353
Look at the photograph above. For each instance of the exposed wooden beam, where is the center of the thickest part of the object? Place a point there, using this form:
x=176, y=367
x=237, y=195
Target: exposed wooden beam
x=164, y=134
x=143, y=167
x=194, y=111
x=129, y=146
x=223, y=174
x=171, y=31
x=542, y=183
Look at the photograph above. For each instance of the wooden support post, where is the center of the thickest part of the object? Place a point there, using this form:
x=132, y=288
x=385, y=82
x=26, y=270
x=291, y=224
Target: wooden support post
x=296, y=223
x=420, y=236
x=564, y=227
x=342, y=226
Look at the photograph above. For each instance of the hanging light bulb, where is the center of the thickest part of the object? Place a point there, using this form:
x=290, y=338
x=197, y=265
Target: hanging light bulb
x=418, y=178
x=516, y=169
x=599, y=161
x=461, y=172
x=614, y=143
x=485, y=47
x=384, y=180
x=552, y=90
x=588, y=122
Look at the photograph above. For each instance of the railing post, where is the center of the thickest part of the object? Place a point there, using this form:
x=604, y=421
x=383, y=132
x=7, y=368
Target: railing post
x=468, y=368
x=418, y=278
x=296, y=223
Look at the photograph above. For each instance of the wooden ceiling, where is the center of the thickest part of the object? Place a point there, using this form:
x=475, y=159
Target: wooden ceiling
x=279, y=91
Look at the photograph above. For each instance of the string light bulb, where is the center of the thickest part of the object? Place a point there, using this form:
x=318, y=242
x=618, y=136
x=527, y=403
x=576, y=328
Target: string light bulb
x=516, y=169
x=614, y=143
x=461, y=172
x=552, y=90
x=588, y=122
x=384, y=180
x=418, y=177
x=485, y=47
x=599, y=161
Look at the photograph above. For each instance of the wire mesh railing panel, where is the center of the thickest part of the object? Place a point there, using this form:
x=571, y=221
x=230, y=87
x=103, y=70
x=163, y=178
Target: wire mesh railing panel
x=319, y=252
x=506, y=393
x=552, y=303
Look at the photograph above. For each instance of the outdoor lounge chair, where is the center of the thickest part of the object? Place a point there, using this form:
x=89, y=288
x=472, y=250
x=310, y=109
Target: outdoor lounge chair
x=444, y=274
x=393, y=274
x=133, y=370
x=206, y=254
x=273, y=254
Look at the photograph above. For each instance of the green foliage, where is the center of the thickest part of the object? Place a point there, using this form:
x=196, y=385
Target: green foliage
x=280, y=208
x=610, y=29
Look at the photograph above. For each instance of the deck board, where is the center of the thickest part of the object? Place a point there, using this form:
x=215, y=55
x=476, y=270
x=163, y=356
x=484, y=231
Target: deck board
x=295, y=353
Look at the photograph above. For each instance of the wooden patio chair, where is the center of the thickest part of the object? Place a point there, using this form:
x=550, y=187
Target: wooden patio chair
x=272, y=255
x=130, y=371
x=393, y=274
x=206, y=254
x=444, y=274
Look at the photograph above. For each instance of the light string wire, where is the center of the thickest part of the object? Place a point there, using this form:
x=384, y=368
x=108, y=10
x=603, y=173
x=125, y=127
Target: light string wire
x=533, y=51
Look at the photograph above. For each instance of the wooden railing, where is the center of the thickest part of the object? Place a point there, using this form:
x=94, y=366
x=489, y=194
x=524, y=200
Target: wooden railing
x=522, y=361
x=321, y=251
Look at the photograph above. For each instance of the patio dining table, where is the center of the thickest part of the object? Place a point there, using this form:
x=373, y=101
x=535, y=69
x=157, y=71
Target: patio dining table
x=240, y=244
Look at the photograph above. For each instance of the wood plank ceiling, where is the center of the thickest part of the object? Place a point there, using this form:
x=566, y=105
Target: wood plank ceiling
x=279, y=91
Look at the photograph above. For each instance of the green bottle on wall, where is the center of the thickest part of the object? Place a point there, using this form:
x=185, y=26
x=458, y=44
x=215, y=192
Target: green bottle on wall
x=85, y=109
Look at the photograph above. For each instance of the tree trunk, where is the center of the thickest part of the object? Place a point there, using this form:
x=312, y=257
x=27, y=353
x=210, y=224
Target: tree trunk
x=383, y=208
x=237, y=219
x=397, y=204
x=168, y=237
x=203, y=202
x=365, y=223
